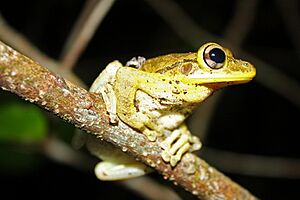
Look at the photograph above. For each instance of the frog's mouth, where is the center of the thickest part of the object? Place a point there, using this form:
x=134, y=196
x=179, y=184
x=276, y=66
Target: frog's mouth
x=218, y=78
x=232, y=75
x=217, y=81
x=216, y=84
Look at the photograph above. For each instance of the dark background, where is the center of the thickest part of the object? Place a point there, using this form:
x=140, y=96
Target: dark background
x=248, y=119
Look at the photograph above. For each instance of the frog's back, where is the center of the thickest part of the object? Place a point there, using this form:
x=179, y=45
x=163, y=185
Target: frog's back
x=162, y=63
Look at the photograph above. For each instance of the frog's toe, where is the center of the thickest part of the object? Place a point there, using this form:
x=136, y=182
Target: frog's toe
x=113, y=118
x=176, y=158
x=196, y=143
x=175, y=146
x=184, y=139
x=166, y=156
x=151, y=135
x=167, y=143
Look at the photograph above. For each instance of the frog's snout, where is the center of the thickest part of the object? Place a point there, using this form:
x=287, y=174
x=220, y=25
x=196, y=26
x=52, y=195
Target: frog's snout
x=249, y=69
x=242, y=69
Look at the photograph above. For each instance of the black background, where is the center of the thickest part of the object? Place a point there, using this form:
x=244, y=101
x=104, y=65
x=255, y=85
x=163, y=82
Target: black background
x=249, y=118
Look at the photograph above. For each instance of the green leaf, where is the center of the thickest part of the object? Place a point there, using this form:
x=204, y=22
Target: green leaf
x=22, y=122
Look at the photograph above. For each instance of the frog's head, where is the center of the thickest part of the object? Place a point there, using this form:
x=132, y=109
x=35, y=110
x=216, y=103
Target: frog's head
x=218, y=68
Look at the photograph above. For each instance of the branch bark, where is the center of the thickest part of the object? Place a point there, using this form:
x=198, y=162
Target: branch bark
x=29, y=80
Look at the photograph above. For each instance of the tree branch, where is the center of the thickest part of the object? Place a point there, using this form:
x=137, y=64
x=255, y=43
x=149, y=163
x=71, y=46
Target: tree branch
x=83, y=30
x=18, y=41
x=26, y=78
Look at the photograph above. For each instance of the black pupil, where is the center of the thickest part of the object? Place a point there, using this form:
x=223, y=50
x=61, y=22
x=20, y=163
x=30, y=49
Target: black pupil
x=217, y=55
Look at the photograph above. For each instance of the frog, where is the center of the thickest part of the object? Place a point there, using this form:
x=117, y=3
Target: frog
x=155, y=96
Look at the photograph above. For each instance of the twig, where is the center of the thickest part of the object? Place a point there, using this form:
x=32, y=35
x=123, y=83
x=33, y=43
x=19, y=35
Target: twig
x=188, y=29
x=26, y=78
x=290, y=13
x=241, y=22
x=181, y=22
x=18, y=41
x=63, y=153
x=151, y=189
x=85, y=27
x=253, y=165
x=201, y=118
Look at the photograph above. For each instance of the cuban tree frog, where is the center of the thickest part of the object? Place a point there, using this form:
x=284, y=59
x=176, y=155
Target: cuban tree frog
x=155, y=96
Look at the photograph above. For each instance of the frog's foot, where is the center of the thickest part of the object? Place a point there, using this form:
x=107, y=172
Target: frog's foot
x=179, y=142
x=110, y=171
x=136, y=62
x=174, y=147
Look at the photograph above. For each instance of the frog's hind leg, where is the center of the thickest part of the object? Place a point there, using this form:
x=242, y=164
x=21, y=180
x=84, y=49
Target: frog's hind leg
x=111, y=171
x=116, y=165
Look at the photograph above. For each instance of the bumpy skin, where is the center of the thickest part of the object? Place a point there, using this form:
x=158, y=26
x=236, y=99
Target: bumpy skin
x=158, y=96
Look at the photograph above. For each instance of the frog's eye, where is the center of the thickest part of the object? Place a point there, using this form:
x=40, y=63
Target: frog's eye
x=214, y=57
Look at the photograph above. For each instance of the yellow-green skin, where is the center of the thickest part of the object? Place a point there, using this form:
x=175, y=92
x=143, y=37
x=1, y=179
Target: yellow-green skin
x=164, y=79
x=157, y=97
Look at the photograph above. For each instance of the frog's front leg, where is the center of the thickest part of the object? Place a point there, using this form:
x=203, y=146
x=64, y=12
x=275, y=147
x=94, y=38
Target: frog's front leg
x=179, y=142
x=104, y=84
x=128, y=82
